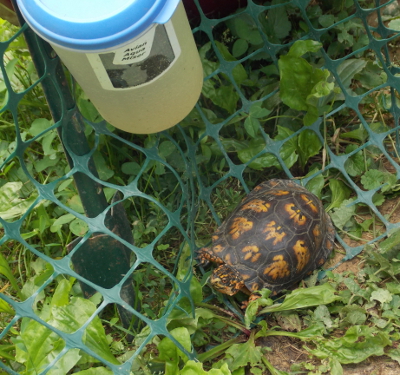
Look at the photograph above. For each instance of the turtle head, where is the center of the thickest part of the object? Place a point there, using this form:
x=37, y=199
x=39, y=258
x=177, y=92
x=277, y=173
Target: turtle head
x=226, y=280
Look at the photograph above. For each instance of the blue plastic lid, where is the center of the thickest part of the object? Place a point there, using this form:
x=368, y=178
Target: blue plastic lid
x=94, y=25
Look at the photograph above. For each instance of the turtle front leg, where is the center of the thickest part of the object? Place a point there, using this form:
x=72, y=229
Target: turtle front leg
x=226, y=280
x=252, y=297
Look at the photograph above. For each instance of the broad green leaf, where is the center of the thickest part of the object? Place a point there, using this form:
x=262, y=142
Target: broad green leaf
x=374, y=178
x=278, y=22
x=11, y=205
x=308, y=145
x=76, y=204
x=326, y=20
x=348, y=69
x=196, y=290
x=301, y=84
x=316, y=184
x=355, y=164
x=61, y=294
x=372, y=75
x=166, y=148
x=105, y=173
x=239, y=47
x=39, y=125
x=343, y=213
x=47, y=143
x=336, y=367
x=36, y=346
x=244, y=354
x=353, y=315
x=131, y=168
x=71, y=317
x=170, y=353
x=358, y=343
x=311, y=116
x=252, y=126
x=257, y=111
x=298, y=78
x=66, y=363
x=287, y=153
x=45, y=163
x=301, y=47
x=301, y=298
x=224, y=96
x=394, y=24
x=240, y=26
x=394, y=354
x=224, y=51
x=78, y=227
x=64, y=219
x=381, y=295
x=95, y=371
x=65, y=184
x=393, y=288
x=321, y=313
x=340, y=192
x=87, y=109
x=289, y=320
x=239, y=74
x=322, y=88
x=392, y=242
x=359, y=133
x=196, y=368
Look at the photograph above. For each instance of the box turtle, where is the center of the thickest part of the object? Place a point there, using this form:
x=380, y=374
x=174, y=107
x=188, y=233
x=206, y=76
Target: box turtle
x=277, y=235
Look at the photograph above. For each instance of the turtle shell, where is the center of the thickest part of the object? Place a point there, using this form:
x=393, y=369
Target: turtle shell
x=278, y=235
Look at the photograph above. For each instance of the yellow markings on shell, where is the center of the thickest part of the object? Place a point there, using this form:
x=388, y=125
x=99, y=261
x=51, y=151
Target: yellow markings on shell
x=329, y=245
x=295, y=214
x=274, y=232
x=254, y=287
x=214, y=237
x=280, y=192
x=239, y=226
x=317, y=231
x=302, y=254
x=309, y=202
x=278, y=269
x=218, y=248
x=274, y=183
x=321, y=261
x=257, y=205
x=252, y=253
x=228, y=259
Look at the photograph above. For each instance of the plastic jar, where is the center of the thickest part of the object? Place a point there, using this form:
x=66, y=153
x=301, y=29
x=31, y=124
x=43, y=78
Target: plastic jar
x=136, y=60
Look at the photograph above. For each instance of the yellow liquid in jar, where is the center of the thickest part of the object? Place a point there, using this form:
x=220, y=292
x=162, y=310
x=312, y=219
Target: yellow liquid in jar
x=152, y=107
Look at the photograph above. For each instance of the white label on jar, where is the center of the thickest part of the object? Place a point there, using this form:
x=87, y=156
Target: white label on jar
x=137, y=51
x=139, y=62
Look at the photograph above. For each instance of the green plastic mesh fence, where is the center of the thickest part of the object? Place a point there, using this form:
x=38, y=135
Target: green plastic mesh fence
x=109, y=222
